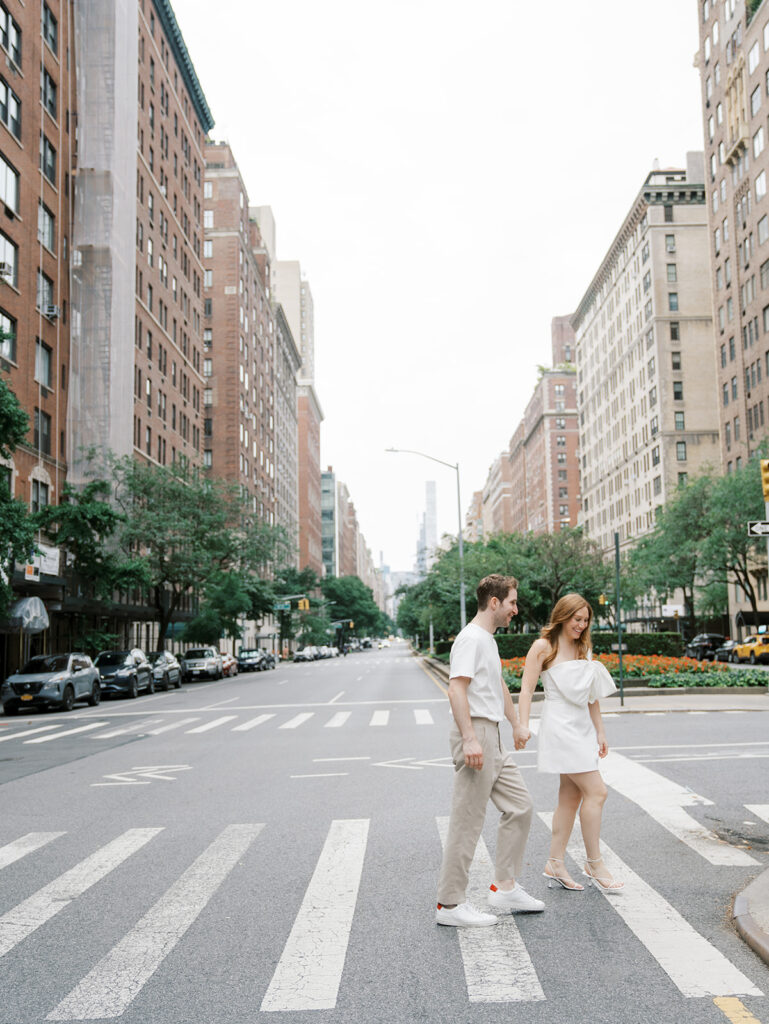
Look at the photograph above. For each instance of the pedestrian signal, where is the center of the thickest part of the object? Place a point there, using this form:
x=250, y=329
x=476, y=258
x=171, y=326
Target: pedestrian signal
x=765, y=478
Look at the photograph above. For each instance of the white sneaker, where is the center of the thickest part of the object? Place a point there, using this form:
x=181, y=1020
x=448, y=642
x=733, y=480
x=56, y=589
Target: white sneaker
x=463, y=916
x=513, y=899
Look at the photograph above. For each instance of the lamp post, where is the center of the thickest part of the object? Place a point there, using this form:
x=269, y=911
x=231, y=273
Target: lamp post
x=455, y=467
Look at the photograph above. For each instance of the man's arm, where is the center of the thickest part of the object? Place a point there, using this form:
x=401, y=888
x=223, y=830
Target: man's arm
x=460, y=709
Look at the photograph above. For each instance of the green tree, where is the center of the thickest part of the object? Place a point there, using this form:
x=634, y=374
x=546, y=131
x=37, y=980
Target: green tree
x=17, y=531
x=348, y=598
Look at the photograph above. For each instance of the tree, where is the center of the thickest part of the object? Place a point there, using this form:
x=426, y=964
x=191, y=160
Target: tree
x=17, y=531
x=351, y=600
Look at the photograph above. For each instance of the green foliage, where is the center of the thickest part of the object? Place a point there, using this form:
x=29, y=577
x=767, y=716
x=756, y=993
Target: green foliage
x=668, y=645
x=14, y=422
x=226, y=601
x=348, y=598
x=17, y=530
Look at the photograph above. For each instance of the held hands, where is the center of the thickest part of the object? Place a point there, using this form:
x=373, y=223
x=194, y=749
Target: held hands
x=473, y=753
x=603, y=746
x=521, y=736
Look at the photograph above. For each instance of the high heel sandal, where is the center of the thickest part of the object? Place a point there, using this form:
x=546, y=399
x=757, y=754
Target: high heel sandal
x=605, y=883
x=574, y=887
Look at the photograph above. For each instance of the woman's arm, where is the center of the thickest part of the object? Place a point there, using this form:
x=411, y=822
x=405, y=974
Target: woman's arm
x=595, y=715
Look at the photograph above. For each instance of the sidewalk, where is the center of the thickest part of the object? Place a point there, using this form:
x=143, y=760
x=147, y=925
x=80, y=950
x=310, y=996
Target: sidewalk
x=751, y=906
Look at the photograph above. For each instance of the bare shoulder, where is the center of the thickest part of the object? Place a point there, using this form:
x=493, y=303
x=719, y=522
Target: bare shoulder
x=540, y=647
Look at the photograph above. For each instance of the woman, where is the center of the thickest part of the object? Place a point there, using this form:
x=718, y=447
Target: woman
x=571, y=737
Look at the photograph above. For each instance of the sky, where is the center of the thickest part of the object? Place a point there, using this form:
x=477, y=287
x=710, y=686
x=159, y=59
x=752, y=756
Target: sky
x=450, y=177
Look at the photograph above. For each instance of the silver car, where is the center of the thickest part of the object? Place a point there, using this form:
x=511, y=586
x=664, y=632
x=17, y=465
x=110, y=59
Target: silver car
x=166, y=669
x=200, y=662
x=52, y=681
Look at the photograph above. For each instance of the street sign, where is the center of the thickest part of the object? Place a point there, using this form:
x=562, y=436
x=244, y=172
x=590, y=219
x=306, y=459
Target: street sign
x=758, y=528
x=282, y=606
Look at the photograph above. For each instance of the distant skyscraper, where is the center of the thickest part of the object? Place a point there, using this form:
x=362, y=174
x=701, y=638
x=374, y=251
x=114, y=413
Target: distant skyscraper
x=428, y=531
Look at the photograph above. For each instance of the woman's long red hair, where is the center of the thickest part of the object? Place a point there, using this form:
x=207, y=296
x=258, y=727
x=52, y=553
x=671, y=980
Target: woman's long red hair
x=567, y=607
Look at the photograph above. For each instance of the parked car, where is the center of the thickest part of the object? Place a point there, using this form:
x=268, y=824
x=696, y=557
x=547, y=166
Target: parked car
x=251, y=659
x=703, y=646
x=753, y=648
x=201, y=661
x=125, y=672
x=229, y=664
x=52, y=681
x=166, y=669
x=306, y=654
x=725, y=651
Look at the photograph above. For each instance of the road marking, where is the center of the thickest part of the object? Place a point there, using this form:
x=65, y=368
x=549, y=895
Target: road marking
x=297, y=720
x=435, y=762
x=318, y=775
x=125, y=730
x=114, y=983
x=760, y=810
x=310, y=969
x=142, y=776
x=736, y=1011
x=26, y=844
x=423, y=717
x=173, y=725
x=252, y=723
x=338, y=720
x=68, y=732
x=697, y=757
x=498, y=968
x=380, y=718
x=335, y=699
x=29, y=732
x=219, y=703
x=695, y=966
x=664, y=800
x=212, y=725
x=318, y=760
x=27, y=917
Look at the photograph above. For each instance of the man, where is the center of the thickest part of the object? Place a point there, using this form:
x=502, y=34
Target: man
x=483, y=768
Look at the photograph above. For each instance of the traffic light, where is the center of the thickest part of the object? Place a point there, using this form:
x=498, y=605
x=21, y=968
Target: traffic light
x=765, y=478
x=352, y=625
x=304, y=604
x=602, y=598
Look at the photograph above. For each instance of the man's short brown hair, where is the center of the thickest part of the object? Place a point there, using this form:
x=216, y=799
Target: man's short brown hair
x=495, y=585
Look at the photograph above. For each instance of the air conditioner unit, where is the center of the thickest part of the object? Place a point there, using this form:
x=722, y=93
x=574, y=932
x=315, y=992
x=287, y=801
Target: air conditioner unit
x=6, y=270
x=51, y=312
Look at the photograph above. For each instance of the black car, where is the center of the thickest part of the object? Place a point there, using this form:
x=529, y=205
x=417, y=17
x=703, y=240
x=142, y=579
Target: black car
x=125, y=672
x=725, y=651
x=254, y=659
x=166, y=669
x=704, y=645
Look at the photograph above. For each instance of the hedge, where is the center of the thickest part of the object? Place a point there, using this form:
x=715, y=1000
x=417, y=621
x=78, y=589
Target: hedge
x=516, y=645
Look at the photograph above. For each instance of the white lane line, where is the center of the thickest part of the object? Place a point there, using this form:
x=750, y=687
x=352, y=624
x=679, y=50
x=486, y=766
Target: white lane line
x=125, y=730
x=760, y=810
x=67, y=732
x=698, y=757
x=318, y=760
x=218, y=704
x=664, y=800
x=695, y=966
x=423, y=717
x=28, y=916
x=498, y=968
x=173, y=725
x=25, y=844
x=310, y=969
x=29, y=732
x=359, y=679
x=252, y=723
x=695, y=712
x=297, y=720
x=113, y=984
x=338, y=719
x=212, y=725
x=380, y=718
x=318, y=775
x=336, y=698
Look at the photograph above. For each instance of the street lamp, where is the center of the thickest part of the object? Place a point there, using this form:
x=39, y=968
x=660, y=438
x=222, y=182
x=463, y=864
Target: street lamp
x=455, y=467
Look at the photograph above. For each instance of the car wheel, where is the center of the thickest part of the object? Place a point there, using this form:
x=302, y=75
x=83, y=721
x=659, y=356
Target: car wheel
x=178, y=683
x=11, y=711
x=68, y=699
x=735, y=659
x=166, y=682
x=133, y=689
x=151, y=684
x=752, y=658
x=95, y=697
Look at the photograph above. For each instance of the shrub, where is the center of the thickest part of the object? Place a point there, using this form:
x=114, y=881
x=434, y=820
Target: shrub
x=668, y=644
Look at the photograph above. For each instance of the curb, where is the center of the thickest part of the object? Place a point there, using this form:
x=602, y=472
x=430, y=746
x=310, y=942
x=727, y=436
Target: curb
x=746, y=925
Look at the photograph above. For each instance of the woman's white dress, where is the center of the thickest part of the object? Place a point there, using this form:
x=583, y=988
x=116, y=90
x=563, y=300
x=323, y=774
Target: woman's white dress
x=567, y=740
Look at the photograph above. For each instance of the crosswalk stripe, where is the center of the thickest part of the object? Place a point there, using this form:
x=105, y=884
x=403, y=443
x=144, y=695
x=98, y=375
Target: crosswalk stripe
x=26, y=844
x=114, y=983
x=252, y=723
x=664, y=801
x=29, y=732
x=760, y=810
x=338, y=719
x=173, y=725
x=380, y=718
x=498, y=968
x=212, y=725
x=125, y=730
x=695, y=966
x=297, y=720
x=67, y=732
x=28, y=916
x=422, y=716
x=310, y=969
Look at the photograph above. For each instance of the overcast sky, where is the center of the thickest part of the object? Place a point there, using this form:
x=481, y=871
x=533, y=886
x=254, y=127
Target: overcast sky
x=449, y=176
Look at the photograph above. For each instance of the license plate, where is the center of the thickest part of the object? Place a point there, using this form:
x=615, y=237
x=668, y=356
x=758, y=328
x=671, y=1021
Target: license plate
x=27, y=696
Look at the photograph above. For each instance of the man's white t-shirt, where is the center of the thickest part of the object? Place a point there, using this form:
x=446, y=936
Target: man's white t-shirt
x=475, y=655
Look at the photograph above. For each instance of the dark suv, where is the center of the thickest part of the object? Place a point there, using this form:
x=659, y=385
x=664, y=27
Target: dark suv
x=125, y=672
x=703, y=646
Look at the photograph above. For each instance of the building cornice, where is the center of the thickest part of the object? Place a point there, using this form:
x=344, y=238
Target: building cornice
x=183, y=59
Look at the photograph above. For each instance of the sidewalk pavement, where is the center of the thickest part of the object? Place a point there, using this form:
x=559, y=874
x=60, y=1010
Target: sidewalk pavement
x=751, y=906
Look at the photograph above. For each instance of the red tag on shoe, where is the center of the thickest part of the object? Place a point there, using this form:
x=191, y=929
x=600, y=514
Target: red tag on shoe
x=440, y=906
x=493, y=887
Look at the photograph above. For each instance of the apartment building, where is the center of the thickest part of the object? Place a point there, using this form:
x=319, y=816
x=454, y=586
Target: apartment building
x=497, y=499
x=646, y=366
x=287, y=366
x=329, y=523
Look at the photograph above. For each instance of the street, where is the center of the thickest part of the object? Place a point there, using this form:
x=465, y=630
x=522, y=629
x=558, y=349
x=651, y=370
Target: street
x=269, y=844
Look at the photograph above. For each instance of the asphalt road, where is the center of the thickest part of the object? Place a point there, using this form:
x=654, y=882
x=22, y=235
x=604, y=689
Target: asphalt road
x=268, y=845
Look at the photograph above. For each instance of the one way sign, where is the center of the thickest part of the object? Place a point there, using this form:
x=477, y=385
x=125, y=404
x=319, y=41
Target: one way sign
x=758, y=528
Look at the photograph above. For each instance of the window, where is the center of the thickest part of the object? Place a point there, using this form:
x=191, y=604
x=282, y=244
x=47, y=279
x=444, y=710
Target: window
x=658, y=485
x=40, y=495
x=654, y=426
x=758, y=143
x=728, y=435
x=207, y=337
x=10, y=109
x=208, y=218
x=50, y=29
x=681, y=451
x=208, y=458
x=647, y=280
x=672, y=273
x=683, y=479
x=47, y=159
x=46, y=227
x=9, y=185
x=208, y=278
x=7, y=337
x=736, y=428
x=652, y=397
x=734, y=387
x=675, y=333
x=560, y=441
x=48, y=93
x=668, y=214
x=208, y=190
x=10, y=35
x=761, y=186
x=679, y=421
x=678, y=390
x=208, y=397
x=9, y=259
x=208, y=367
x=755, y=101
x=656, y=455
x=726, y=394
x=43, y=364
x=208, y=250
x=44, y=291
x=673, y=302
x=675, y=359
x=753, y=58
x=763, y=229
x=42, y=432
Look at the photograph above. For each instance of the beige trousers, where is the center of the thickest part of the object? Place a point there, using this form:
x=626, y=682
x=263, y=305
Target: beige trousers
x=499, y=781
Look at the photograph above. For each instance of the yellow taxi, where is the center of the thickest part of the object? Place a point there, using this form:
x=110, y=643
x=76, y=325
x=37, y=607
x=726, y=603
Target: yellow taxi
x=753, y=648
